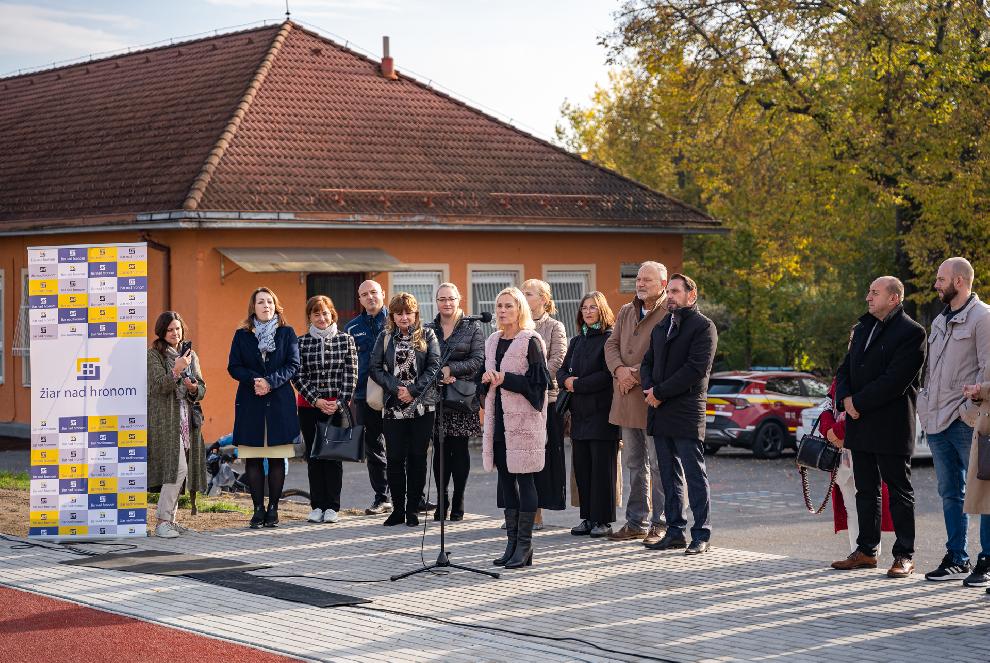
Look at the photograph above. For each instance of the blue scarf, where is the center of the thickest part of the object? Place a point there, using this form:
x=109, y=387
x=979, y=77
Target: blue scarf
x=265, y=331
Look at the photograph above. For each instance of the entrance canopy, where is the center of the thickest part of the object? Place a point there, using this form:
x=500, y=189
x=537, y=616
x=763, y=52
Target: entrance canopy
x=312, y=260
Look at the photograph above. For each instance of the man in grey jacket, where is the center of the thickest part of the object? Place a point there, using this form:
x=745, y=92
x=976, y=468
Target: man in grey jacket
x=959, y=349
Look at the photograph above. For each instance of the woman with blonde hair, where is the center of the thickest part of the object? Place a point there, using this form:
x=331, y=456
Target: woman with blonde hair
x=405, y=363
x=264, y=357
x=463, y=345
x=550, y=483
x=515, y=434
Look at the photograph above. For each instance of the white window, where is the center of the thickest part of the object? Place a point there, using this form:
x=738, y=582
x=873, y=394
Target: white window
x=568, y=287
x=628, y=272
x=22, y=335
x=485, y=286
x=421, y=285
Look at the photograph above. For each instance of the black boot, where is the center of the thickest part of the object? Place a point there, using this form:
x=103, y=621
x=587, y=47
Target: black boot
x=457, y=505
x=523, y=555
x=258, y=518
x=397, y=482
x=441, y=508
x=271, y=517
x=511, y=531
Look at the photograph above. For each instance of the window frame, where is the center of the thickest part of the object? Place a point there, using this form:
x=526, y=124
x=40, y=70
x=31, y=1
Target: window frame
x=519, y=270
x=442, y=268
x=589, y=269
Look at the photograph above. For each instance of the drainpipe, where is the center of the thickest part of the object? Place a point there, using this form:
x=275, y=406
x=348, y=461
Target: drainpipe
x=157, y=246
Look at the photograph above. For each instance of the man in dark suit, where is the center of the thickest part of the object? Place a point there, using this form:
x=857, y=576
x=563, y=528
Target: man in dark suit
x=674, y=375
x=877, y=386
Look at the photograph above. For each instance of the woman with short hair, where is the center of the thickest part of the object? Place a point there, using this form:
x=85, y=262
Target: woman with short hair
x=325, y=382
x=264, y=357
x=405, y=363
x=515, y=434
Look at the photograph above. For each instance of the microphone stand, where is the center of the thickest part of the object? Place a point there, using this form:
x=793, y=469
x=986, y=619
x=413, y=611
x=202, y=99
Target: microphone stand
x=443, y=559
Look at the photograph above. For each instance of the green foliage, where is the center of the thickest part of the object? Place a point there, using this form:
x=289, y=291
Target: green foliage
x=14, y=480
x=836, y=140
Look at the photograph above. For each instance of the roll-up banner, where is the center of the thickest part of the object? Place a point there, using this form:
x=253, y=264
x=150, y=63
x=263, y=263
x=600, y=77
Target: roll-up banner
x=89, y=329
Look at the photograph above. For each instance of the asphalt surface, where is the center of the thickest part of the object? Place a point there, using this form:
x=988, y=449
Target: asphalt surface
x=756, y=505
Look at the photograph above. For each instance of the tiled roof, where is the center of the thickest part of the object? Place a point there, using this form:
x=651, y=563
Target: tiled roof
x=280, y=119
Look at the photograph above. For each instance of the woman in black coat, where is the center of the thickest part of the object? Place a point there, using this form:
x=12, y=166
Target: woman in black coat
x=264, y=357
x=405, y=363
x=465, y=344
x=594, y=441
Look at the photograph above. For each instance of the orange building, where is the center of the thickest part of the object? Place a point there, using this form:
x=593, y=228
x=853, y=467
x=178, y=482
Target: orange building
x=277, y=157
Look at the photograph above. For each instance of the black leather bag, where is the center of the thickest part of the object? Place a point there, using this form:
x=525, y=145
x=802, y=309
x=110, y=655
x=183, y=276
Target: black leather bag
x=815, y=452
x=338, y=442
x=461, y=396
x=983, y=457
x=563, y=403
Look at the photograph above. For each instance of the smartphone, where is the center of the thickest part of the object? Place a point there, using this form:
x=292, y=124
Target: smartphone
x=185, y=347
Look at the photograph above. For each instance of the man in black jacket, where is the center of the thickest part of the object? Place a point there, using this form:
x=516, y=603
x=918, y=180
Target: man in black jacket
x=877, y=386
x=674, y=375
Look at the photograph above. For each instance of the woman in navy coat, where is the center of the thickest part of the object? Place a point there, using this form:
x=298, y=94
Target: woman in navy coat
x=264, y=357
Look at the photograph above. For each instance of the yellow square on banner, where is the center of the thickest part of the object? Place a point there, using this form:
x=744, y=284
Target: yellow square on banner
x=132, y=268
x=44, y=518
x=132, y=500
x=73, y=471
x=73, y=301
x=102, y=254
x=102, y=485
x=132, y=438
x=102, y=424
x=132, y=329
x=44, y=456
x=103, y=314
x=73, y=530
x=43, y=287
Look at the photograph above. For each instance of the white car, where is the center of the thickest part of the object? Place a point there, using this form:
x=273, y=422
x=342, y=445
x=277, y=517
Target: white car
x=808, y=416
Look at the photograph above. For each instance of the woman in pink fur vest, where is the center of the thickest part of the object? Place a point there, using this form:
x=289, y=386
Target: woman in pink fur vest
x=516, y=380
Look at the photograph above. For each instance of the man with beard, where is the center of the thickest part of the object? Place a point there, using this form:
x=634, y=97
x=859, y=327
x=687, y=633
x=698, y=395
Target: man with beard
x=674, y=376
x=959, y=349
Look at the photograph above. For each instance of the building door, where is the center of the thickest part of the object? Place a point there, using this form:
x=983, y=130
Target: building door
x=341, y=288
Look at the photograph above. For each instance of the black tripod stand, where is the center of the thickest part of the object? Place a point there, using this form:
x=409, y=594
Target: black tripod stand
x=443, y=559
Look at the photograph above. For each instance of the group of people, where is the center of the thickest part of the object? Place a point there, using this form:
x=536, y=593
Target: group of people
x=642, y=373
x=893, y=375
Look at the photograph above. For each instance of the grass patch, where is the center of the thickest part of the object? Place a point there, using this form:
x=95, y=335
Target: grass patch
x=15, y=480
x=204, y=504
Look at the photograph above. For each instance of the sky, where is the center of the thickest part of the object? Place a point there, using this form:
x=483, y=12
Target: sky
x=517, y=59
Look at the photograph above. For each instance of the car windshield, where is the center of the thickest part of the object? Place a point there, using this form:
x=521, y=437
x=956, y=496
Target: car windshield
x=719, y=387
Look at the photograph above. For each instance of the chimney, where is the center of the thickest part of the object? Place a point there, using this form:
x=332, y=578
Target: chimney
x=388, y=65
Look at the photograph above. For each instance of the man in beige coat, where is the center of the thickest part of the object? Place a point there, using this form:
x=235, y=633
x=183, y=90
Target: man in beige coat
x=958, y=354
x=624, y=352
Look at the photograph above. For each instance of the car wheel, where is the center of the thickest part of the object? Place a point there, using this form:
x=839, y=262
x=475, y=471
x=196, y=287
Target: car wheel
x=769, y=440
x=712, y=449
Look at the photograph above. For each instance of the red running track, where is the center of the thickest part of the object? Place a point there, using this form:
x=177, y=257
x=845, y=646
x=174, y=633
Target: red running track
x=37, y=628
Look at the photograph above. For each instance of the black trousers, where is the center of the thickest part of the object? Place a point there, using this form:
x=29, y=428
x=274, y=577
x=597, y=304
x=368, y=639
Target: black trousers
x=325, y=476
x=517, y=491
x=406, y=444
x=682, y=461
x=374, y=447
x=594, y=470
x=894, y=470
x=456, y=464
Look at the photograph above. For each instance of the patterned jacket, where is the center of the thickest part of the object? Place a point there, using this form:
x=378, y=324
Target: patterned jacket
x=332, y=375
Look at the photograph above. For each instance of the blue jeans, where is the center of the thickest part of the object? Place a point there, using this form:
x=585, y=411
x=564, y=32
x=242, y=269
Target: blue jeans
x=950, y=453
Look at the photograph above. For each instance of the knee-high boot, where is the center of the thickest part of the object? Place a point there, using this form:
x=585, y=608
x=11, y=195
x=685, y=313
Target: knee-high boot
x=511, y=531
x=523, y=555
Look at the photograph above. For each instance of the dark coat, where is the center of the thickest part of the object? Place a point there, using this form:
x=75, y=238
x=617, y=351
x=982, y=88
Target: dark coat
x=365, y=330
x=883, y=380
x=164, y=425
x=677, y=368
x=592, y=397
x=466, y=346
x=382, y=369
x=275, y=412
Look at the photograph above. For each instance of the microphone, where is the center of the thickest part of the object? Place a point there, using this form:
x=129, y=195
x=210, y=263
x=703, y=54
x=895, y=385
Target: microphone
x=484, y=317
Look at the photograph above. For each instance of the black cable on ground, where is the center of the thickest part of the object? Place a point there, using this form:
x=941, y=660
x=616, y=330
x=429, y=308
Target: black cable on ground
x=21, y=544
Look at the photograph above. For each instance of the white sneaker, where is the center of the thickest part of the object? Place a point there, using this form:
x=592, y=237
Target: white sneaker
x=315, y=516
x=329, y=516
x=166, y=531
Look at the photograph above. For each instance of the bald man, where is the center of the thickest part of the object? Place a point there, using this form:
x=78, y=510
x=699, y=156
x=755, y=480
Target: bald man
x=959, y=351
x=877, y=386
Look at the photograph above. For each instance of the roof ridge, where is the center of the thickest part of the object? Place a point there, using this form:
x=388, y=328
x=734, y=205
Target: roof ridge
x=198, y=187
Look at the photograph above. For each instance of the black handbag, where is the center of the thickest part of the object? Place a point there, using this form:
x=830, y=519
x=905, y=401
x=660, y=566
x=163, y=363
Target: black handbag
x=815, y=452
x=461, y=396
x=563, y=403
x=983, y=457
x=338, y=442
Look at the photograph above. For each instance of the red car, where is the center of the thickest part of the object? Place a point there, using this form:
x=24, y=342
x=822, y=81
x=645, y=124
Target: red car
x=759, y=410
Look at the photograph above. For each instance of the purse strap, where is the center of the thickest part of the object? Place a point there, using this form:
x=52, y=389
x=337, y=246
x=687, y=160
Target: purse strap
x=807, y=490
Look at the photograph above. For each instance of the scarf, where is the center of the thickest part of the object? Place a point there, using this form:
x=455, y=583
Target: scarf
x=171, y=354
x=405, y=371
x=265, y=331
x=585, y=328
x=324, y=335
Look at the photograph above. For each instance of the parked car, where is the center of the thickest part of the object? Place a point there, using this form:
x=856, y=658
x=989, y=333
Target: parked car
x=759, y=410
x=808, y=416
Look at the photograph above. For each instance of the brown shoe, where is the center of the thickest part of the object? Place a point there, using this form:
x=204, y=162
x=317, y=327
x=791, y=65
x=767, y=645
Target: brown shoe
x=655, y=534
x=856, y=560
x=901, y=568
x=627, y=533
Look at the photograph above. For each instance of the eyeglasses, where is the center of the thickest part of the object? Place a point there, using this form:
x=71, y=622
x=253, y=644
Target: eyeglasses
x=447, y=300
x=589, y=309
